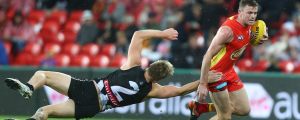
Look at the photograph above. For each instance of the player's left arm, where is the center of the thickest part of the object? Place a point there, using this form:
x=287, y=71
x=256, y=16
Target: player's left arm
x=159, y=91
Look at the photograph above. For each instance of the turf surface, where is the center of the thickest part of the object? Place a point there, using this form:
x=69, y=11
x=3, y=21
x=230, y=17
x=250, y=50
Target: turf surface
x=2, y=117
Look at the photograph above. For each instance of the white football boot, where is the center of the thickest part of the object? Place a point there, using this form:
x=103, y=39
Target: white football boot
x=23, y=89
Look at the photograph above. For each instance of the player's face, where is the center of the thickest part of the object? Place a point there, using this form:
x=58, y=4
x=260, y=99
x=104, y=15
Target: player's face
x=248, y=14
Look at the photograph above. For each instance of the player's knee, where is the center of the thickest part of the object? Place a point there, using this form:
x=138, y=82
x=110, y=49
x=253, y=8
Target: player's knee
x=40, y=75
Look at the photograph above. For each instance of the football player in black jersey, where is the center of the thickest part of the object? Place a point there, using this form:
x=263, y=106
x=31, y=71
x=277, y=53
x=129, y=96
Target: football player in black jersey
x=127, y=85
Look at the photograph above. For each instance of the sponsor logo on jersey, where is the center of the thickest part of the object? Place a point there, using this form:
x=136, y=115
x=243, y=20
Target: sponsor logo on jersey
x=110, y=94
x=236, y=54
x=240, y=37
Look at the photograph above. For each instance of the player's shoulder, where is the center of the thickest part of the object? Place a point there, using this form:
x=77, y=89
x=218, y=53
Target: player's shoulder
x=225, y=33
x=232, y=17
x=155, y=89
x=130, y=67
x=226, y=30
x=229, y=21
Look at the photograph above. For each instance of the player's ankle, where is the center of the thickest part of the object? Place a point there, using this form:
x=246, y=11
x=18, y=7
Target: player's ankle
x=203, y=107
x=30, y=86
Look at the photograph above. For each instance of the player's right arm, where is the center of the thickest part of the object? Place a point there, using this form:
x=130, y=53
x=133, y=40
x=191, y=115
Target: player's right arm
x=135, y=47
x=223, y=36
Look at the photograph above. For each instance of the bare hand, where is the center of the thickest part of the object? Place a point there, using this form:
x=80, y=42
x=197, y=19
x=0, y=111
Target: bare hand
x=202, y=92
x=214, y=76
x=170, y=34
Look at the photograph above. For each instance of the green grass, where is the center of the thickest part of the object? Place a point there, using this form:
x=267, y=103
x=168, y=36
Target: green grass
x=3, y=117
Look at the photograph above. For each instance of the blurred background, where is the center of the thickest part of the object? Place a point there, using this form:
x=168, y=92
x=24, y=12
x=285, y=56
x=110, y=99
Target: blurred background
x=96, y=33
x=75, y=36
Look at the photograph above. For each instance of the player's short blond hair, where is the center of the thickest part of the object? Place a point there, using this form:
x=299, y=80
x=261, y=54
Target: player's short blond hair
x=251, y=3
x=160, y=69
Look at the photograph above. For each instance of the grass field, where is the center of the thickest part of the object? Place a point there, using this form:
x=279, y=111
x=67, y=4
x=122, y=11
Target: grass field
x=25, y=117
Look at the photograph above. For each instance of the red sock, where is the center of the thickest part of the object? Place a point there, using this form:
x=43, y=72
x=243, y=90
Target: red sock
x=203, y=107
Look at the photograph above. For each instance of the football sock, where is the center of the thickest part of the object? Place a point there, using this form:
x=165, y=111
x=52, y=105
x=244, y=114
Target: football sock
x=211, y=107
x=30, y=86
x=205, y=107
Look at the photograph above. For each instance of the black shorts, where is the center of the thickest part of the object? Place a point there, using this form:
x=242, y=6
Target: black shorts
x=85, y=96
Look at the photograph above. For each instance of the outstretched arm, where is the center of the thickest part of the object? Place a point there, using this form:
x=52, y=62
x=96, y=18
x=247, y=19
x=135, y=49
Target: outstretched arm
x=135, y=47
x=159, y=91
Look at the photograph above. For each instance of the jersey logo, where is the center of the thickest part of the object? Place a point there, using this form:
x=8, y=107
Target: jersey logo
x=236, y=54
x=240, y=37
x=110, y=93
